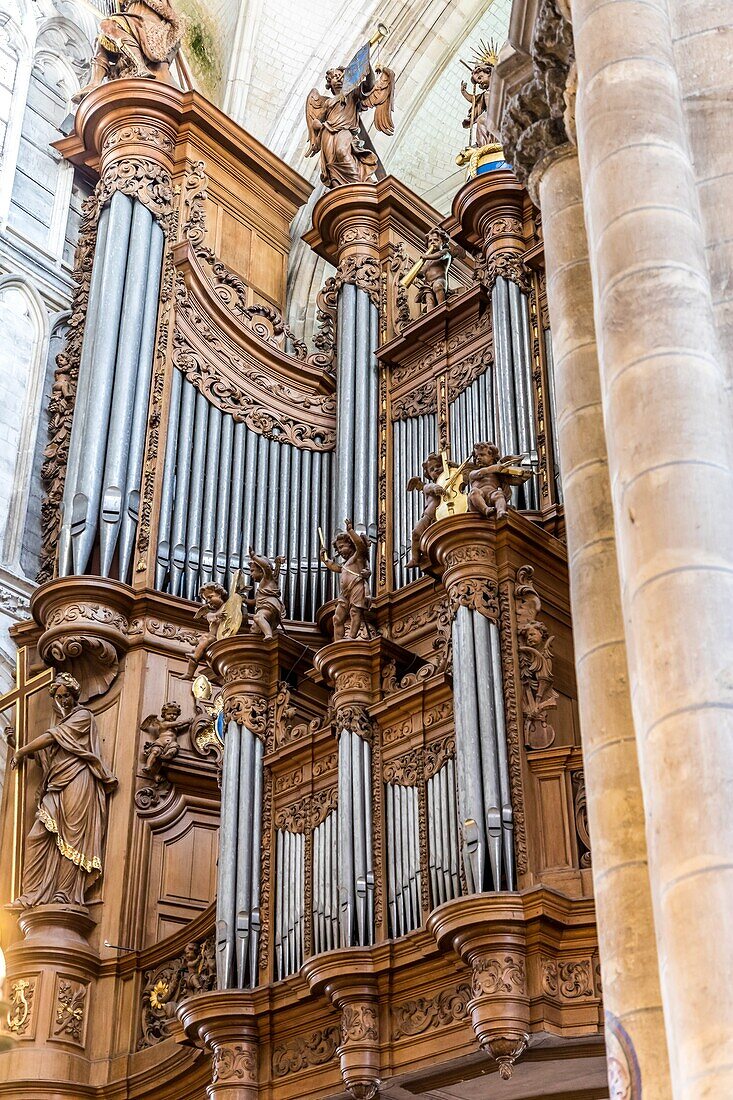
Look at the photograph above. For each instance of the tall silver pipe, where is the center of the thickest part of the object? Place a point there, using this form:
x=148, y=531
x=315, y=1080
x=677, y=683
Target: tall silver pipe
x=211, y=475
x=362, y=427
x=82, y=391
x=123, y=391
x=273, y=481
x=445, y=829
x=359, y=837
x=254, y=515
x=344, y=484
x=286, y=490
x=507, y=813
x=183, y=481
x=346, y=840
x=435, y=896
x=93, y=422
x=553, y=412
x=244, y=852
x=256, y=918
x=335, y=877
x=279, y=889
x=239, y=448
x=373, y=420
x=225, y=895
x=318, y=516
x=196, y=497
x=398, y=489
x=224, y=489
x=308, y=519
x=366, y=751
x=131, y=498
x=163, y=557
x=468, y=751
x=292, y=549
x=453, y=849
x=488, y=743
x=327, y=519
x=389, y=854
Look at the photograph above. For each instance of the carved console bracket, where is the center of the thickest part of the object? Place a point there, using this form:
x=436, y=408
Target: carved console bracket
x=348, y=978
x=85, y=623
x=223, y=1022
x=460, y=551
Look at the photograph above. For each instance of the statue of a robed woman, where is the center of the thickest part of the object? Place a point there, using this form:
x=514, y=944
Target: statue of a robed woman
x=63, y=851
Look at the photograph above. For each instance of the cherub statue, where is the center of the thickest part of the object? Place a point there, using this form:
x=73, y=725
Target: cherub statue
x=354, y=598
x=141, y=40
x=165, y=731
x=485, y=62
x=213, y=597
x=432, y=469
x=491, y=479
x=432, y=276
x=269, y=607
x=335, y=129
x=535, y=663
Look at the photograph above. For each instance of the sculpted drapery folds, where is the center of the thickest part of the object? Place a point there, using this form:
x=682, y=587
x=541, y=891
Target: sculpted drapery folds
x=63, y=851
x=141, y=40
x=335, y=129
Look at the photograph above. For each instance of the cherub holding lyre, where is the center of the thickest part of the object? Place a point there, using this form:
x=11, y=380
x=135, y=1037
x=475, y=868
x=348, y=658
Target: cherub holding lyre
x=491, y=479
x=354, y=598
x=213, y=612
x=433, y=492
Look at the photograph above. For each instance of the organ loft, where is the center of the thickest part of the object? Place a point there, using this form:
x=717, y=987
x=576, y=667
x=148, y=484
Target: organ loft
x=295, y=803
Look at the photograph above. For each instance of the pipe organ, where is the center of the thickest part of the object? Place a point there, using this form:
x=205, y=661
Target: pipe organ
x=354, y=857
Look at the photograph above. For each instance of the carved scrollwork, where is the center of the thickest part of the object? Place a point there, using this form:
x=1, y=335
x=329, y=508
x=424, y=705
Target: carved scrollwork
x=249, y=711
x=535, y=663
x=358, y=1023
x=92, y=661
x=354, y=717
x=237, y=1062
x=139, y=134
x=70, y=1005
x=505, y=264
x=426, y=1013
x=363, y=273
x=569, y=980
x=22, y=992
x=493, y=975
x=145, y=180
x=399, y=263
x=438, y=754
x=460, y=376
x=419, y=401
x=405, y=771
x=478, y=593
x=307, y=813
x=511, y=721
x=166, y=985
x=304, y=1051
x=580, y=807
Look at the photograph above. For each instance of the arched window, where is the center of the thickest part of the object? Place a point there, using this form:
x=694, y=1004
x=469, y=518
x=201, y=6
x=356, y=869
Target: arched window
x=42, y=186
x=23, y=349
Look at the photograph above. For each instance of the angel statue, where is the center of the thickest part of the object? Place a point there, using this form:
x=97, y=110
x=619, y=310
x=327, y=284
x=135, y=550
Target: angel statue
x=485, y=61
x=164, y=731
x=335, y=129
x=535, y=663
x=269, y=607
x=139, y=40
x=354, y=598
x=491, y=479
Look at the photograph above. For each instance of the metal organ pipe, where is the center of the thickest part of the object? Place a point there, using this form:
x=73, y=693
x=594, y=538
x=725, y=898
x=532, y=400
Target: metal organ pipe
x=225, y=488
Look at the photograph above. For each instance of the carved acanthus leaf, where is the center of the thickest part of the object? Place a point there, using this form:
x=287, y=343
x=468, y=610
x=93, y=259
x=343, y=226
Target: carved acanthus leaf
x=166, y=985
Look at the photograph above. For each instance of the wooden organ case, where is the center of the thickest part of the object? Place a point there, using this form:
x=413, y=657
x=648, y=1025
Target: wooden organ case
x=375, y=865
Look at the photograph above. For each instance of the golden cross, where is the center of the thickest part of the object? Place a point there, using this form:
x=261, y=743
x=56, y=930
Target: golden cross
x=25, y=686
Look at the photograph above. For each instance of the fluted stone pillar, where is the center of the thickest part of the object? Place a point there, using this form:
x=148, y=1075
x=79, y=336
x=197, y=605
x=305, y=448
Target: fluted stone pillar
x=670, y=441
x=627, y=946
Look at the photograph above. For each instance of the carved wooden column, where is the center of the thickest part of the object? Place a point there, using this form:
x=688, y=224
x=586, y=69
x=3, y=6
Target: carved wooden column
x=353, y=668
x=247, y=665
x=349, y=979
x=224, y=1024
x=347, y=219
x=51, y=988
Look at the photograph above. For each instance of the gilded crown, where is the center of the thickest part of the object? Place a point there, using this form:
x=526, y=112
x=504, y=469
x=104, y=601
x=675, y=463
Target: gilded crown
x=487, y=53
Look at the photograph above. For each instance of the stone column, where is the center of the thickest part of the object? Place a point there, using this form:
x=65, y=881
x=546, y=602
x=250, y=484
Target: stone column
x=628, y=951
x=542, y=154
x=668, y=427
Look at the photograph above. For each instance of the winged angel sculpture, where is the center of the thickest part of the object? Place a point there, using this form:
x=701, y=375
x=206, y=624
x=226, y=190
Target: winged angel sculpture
x=335, y=129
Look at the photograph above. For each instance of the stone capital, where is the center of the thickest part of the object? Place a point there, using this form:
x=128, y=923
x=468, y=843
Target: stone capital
x=540, y=116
